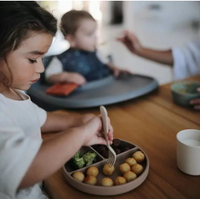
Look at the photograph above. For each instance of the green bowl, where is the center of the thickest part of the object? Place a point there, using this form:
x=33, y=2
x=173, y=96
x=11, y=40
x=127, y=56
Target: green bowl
x=184, y=92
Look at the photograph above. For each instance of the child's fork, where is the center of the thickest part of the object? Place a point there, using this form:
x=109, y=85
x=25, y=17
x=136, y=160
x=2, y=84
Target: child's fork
x=112, y=154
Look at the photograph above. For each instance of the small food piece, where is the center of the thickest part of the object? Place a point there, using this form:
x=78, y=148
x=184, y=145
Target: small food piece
x=89, y=158
x=117, y=151
x=61, y=89
x=129, y=176
x=116, y=142
x=137, y=168
x=102, y=148
x=105, y=153
x=120, y=180
x=90, y=180
x=92, y=171
x=126, y=148
x=131, y=161
x=78, y=176
x=124, y=168
x=107, y=182
x=108, y=169
x=76, y=161
x=139, y=156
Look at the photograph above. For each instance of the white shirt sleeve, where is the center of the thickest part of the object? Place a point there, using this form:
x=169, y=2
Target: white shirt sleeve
x=17, y=152
x=187, y=60
x=102, y=57
x=54, y=67
x=42, y=114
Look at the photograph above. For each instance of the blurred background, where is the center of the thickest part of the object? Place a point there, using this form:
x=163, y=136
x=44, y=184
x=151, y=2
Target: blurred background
x=157, y=24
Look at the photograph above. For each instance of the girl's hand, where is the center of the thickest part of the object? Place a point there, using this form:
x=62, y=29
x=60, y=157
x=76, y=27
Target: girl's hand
x=130, y=41
x=82, y=119
x=75, y=78
x=93, y=131
x=196, y=102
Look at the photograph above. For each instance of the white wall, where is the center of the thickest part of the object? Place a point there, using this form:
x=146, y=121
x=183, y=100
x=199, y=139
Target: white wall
x=156, y=28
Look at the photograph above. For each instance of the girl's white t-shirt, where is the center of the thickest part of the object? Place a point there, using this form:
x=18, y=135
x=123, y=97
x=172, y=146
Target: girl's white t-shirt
x=20, y=140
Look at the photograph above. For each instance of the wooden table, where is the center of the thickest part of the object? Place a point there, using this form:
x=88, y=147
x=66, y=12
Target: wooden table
x=152, y=123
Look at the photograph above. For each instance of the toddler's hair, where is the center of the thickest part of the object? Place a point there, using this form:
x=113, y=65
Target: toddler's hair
x=18, y=19
x=71, y=20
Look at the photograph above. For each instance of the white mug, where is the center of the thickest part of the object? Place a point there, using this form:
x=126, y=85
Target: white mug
x=188, y=151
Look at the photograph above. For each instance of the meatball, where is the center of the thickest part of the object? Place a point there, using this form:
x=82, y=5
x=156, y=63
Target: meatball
x=108, y=169
x=129, y=176
x=92, y=171
x=139, y=156
x=124, y=168
x=78, y=176
x=90, y=180
x=120, y=180
x=107, y=182
x=137, y=168
x=131, y=161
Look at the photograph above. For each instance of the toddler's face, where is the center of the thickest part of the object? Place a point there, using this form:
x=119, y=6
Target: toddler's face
x=25, y=63
x=85, y=37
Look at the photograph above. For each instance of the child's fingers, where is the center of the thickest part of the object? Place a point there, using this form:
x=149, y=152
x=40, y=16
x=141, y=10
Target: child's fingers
x=198, y=89
x=81, y=80
x=97, y=140
x=110, y=134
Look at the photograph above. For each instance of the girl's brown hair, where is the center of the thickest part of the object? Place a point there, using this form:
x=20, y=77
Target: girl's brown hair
x=18, y=19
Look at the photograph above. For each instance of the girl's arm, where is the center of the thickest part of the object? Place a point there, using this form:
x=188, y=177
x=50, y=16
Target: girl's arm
x=62, y=121
x=52, y=155
x=58, y=149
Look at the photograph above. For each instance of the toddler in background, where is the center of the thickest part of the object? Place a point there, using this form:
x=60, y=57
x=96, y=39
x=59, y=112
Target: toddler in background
x=26, y=34
x=81, y=62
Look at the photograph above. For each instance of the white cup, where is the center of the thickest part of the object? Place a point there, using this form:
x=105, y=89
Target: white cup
x=188, y=151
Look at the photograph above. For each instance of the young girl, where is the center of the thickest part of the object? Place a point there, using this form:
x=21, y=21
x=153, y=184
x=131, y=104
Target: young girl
x=25, y=159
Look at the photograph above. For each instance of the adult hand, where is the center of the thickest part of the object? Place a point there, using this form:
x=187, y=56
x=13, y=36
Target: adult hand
x=196, y=102
x=130, y=41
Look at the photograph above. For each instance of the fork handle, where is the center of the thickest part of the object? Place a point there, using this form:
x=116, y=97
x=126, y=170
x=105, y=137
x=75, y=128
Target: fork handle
x=104, y=116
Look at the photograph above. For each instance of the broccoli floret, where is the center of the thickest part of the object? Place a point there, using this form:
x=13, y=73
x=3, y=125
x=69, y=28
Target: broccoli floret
x=76, y=161
x=77, y=155
x=79, y=162
x=89, y=158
